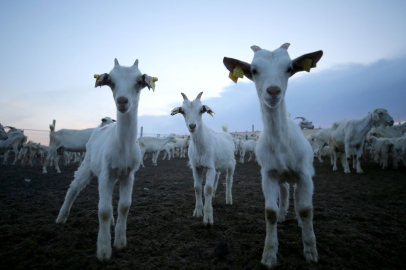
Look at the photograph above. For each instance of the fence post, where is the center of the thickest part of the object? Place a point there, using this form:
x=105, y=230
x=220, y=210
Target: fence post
x=53, y=123
x=142, y=128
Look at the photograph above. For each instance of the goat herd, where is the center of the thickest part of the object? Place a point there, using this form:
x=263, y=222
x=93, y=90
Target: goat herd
x=113, y=153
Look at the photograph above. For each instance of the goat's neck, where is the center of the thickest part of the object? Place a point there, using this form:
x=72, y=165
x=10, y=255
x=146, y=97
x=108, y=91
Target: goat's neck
x=164, y=141
x=365, y=125
x=126, y=127
x=275, y=121
x=199, y=137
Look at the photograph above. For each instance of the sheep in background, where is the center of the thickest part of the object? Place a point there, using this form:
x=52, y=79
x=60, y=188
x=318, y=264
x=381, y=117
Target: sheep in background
x=209, y=151
x=282, y=151
x=113, y=155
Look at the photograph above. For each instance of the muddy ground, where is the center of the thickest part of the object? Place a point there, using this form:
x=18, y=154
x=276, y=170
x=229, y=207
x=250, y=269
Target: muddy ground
x=359, y=221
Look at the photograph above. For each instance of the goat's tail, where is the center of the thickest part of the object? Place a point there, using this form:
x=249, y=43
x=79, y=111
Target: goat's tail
x=224, y=127
x=52, y=128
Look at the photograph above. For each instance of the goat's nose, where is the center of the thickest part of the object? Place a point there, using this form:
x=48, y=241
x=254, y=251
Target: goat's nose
x=192, y=126
x=273, y=90
x=122, y=100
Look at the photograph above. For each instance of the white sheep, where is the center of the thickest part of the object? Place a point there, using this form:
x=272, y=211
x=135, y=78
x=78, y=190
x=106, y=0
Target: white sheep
x=154, y=146
x=72, y=140
x=347, y=137
x=113, y=155
x=282, y=151
x=209, y=152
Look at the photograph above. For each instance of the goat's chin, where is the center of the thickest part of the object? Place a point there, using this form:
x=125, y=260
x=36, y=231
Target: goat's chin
x=272, y=102
x=123, y=110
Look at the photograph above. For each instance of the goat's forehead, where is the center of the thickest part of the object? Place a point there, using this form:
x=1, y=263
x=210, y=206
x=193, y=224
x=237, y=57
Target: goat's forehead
x=125, y=72
x=187, y=104
x=263, y=57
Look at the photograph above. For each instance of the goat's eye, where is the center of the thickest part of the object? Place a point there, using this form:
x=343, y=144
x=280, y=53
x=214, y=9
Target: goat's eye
x=289, y=70
x=254, y=72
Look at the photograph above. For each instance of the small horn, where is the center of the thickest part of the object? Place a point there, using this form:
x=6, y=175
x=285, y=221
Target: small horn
x=285, y=46
x=199, y=95
x=116, y=62
x=184, y=96
x=255, y=48
x=136, y=63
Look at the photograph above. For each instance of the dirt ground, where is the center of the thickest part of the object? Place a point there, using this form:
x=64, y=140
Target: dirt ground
x=359, y=221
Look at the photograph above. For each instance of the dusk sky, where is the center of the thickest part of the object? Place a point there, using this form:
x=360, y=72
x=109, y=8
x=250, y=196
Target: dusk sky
x=50, y=51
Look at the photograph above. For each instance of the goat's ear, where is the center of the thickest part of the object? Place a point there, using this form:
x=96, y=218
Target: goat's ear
x=103, y=79
x=207, y=109
x=176, y=110
x=232, y=63
x=114, y=120
x=103, y=120
x=149, y=81
x=306, y=62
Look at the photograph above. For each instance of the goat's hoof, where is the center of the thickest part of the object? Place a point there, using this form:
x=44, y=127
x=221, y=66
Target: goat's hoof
x=347, y=171
x=104, y=254
x=61, y=220
x=360, y=171
x=119, y=244
x=208, y=220
x=269, y=259
x=198, y=213
x=310, y=253
x=154, y=164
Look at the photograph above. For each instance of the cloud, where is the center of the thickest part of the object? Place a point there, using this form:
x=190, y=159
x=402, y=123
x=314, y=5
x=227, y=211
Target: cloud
x=346, y=91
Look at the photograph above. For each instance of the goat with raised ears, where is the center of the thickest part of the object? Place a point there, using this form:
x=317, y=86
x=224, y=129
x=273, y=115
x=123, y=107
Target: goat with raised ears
x=113, y=155
x=282, y=151
x=209, y=151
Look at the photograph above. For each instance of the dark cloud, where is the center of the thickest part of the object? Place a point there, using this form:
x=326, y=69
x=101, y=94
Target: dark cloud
x=348, y=91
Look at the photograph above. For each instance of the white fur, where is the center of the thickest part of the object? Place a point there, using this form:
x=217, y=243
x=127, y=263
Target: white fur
x=3, y=134
x=247, y=147
x=113, y=155
x=305, y=124
x=14, y=142
x=282, y=151
x=154, y=146
x=72, y=140
x=209, y=152
x=347, y=137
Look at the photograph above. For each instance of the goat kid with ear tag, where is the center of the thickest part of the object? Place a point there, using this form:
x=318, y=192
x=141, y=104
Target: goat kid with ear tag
x=209, y=152
x=282, y=151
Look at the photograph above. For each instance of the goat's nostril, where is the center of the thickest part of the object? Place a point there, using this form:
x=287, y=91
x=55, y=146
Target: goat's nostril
x=122, y=100
x=192, y=126
x=273, y=90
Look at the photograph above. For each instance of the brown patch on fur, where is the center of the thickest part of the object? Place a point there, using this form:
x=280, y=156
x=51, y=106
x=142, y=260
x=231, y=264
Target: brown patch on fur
x=271, y=216
x=208, y=190
x=305, y=213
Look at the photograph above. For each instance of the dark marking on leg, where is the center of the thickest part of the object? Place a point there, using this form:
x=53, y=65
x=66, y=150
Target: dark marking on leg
x=271, y=216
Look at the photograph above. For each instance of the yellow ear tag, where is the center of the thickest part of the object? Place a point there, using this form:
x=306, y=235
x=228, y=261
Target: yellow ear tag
x=175, y=111
x=210, y=112
x=238, y=72
x=96, y=76
x=232, y=77
x=306, y=64
x=375, y=116
x=152, y=83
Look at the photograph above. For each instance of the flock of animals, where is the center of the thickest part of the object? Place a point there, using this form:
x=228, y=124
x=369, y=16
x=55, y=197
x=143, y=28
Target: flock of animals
x=113, y=153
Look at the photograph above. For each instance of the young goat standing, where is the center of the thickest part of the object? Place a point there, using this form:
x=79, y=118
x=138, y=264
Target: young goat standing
x=113, y=155
x=210, y=151
x=282, y=151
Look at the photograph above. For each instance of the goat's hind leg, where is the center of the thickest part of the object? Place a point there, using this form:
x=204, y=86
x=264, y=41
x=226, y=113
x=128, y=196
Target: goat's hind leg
x=270, y=189
x=304, y=211
x=126, y=188
x=82, y=177
x=229, y=185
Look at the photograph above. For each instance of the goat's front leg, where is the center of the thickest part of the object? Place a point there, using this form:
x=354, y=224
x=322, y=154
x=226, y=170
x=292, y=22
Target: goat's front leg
x=229, y=185
x=347, y=159
x=270, y=189
x=358, y=157
x=334, y=154
x=283, y=201
x=198, y=179
x=304, y=210
x=126, y=189
x=208, y=195
x=56, y=163
x=106, y=185
x=5, y=156
x=15, y=149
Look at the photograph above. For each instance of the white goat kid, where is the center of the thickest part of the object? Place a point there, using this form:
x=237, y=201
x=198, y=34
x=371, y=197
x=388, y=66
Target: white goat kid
x=154, y=146
x=72, y=140
x=168, y=148
x=15, y=140
x=347, y=137
x=210, y=151
x=113, y=155
x=282, y=151
x=305, y=124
